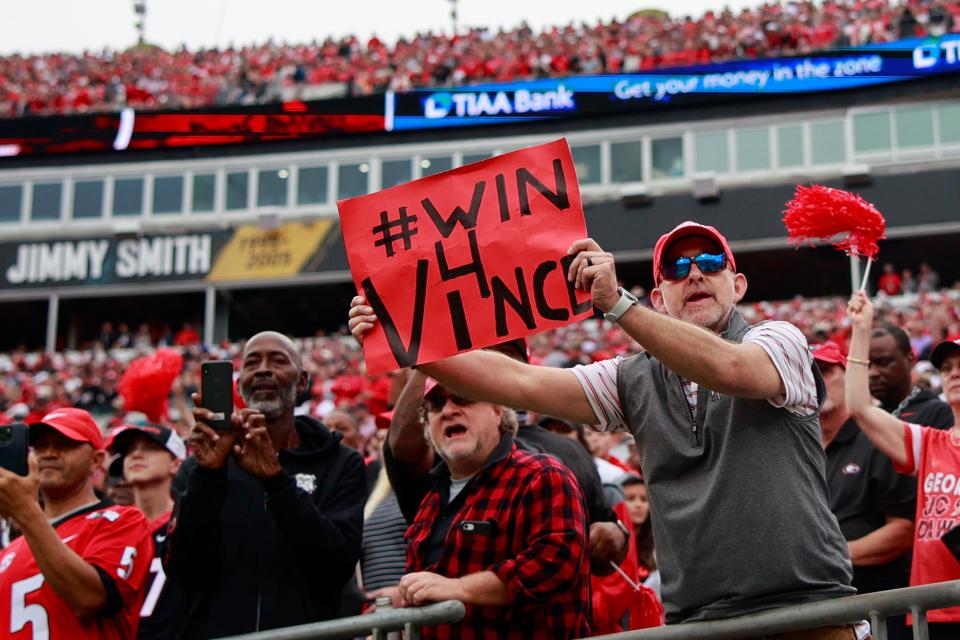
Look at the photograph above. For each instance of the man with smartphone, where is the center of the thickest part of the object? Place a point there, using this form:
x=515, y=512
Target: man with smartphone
x=79, y=567
x=268, y=527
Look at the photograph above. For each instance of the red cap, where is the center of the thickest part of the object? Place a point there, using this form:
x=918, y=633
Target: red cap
x=830, y=353
x=942, y=350
x=682, y=230
x=75, y=424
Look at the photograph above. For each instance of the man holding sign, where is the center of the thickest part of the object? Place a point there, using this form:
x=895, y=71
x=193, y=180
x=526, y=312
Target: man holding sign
x=726, y=423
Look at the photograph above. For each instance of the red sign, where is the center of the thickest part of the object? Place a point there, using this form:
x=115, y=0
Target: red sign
x=467, y=258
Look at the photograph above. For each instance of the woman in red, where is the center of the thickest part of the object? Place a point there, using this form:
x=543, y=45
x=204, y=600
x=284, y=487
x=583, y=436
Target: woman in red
x=931, y=454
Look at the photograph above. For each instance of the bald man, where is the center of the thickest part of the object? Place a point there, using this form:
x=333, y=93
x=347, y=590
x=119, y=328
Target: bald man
x=268, y=529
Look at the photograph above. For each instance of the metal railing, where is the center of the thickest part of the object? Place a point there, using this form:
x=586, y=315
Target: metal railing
x=875, y=607
x=379, y=623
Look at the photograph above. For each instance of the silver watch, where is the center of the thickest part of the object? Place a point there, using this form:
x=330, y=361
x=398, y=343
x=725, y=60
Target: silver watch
x=626, y=301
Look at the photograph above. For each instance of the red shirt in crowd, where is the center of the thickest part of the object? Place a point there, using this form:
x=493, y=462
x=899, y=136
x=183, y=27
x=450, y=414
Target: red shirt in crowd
x=890, y=284
x=113, y=539
x=933, y=456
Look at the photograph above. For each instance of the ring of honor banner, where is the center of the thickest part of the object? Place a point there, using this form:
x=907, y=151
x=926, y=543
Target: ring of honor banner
x=467, y=258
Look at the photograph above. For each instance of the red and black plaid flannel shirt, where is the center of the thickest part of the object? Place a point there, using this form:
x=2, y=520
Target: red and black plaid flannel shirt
x=536, y=542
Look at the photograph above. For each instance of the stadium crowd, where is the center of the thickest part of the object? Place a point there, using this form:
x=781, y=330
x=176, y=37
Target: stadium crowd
x=151, y=78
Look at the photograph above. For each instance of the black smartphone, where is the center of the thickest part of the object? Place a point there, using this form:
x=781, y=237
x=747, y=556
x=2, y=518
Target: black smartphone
x=14, y=448
x=216, y=392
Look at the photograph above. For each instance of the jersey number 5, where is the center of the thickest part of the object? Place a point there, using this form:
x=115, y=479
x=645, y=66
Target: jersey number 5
x=22, y=613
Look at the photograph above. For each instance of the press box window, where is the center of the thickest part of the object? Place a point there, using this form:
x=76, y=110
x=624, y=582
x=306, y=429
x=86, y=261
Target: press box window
x=826, y=143
x=272, y=187
x=626, y=161
x=88, y=199
x=790, y=146
x=470, y=158
x=204, y=191
x=128, y=197
x=587, y=162
x=667, y=158
x=871, y=132
x=949, y=121
x=711, y=152
x=435, y=164
x=914, y=127
x=353, y=181
x=11, y=198
x=238, y=187
x=47, y=197
x=312, y=185
x=168, y=194
x=753, y=149
x=394, y=172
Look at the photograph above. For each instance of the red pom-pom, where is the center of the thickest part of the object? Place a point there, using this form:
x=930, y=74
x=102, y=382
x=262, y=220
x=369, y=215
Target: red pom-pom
x=821, y=213
x=145, y=385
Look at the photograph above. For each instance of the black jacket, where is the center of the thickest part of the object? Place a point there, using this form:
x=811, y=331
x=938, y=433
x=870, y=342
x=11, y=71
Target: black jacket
x=261, y=555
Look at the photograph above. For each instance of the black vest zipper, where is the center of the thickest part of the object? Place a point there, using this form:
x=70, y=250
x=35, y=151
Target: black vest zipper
x=694, y=431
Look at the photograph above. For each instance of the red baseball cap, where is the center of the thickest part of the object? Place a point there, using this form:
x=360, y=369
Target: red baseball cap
x=830, y=353
x=75, y=424
x=942, y=350
x=682, y=230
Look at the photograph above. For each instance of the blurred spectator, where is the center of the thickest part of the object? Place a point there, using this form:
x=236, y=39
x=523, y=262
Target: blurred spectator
x=927, y=279
x=638, y=505
x=889, y=281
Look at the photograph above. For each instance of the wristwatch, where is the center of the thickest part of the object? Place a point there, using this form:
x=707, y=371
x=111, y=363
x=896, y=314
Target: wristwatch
x=626, y=301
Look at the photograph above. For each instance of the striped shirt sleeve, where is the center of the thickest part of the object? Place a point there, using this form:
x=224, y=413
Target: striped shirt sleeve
x=599, y=382
x=788, y=349
x=913, y=441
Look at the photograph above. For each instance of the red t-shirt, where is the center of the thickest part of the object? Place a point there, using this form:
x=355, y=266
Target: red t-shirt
x=115, y=539
x=935, y=459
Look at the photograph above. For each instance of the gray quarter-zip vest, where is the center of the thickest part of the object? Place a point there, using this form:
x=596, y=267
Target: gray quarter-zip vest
x=738, y=496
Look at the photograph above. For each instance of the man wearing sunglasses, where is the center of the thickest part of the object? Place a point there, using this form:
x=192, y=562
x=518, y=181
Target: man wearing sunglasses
x=501, y=530
x=725, y=418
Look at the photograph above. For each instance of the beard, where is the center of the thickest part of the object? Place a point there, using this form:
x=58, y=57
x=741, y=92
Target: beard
x=274, y=407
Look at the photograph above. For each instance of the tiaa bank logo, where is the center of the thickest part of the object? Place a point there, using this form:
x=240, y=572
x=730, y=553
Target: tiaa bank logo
x=930, y=53
x=466, y=104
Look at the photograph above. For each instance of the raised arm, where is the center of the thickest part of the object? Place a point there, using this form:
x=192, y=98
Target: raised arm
x=493, y=377
x=883, y=430
x=686, y=349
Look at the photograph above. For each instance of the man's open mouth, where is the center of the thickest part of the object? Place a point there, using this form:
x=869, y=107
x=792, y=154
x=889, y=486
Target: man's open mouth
x=454, y=430
x=698, y=296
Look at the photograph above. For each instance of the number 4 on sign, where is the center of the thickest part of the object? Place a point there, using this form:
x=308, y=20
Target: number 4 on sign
x=22, y=614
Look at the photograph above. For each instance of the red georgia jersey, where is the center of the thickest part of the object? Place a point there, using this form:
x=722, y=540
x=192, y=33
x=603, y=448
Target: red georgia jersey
x=115, y=539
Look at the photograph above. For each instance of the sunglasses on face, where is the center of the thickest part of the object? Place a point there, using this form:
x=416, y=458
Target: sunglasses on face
x=435, y=402
x=706, y=262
